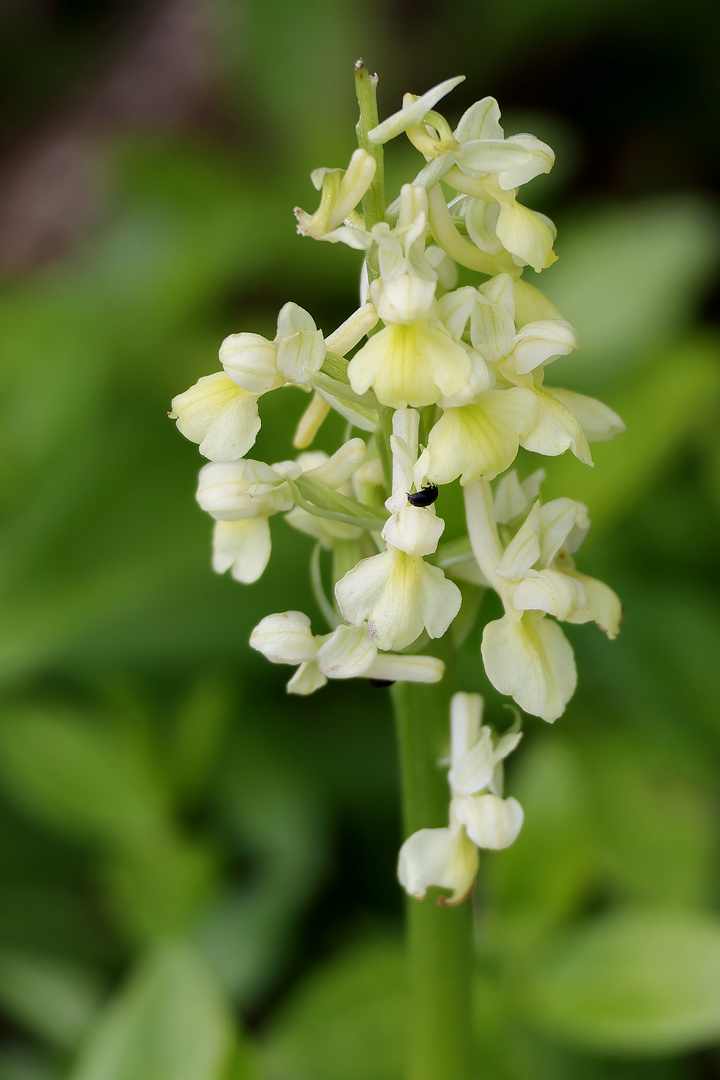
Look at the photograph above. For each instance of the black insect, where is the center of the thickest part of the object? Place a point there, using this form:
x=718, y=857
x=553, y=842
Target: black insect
x=379, y=683
x=426, y=496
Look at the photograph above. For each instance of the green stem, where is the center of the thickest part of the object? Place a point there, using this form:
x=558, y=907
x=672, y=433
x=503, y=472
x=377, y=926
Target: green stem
x=440, y=939
x=366, y=91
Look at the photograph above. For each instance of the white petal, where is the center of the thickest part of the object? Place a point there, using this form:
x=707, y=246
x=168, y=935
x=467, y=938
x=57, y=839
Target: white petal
x=418, y=668
x=540, y=159
x=409, y=365
x=307, y=679
x=414, y=529
x=358, y=177
x=300, y=356
x=525, y=234
x=444, y=858
x=602, y=605
x=474, y=770
x=398, y=595
x=481, y=218
x=285, y=638
x=512, y=498
x=403, y=299
x=336, y=470
x=243, y=547
x=413, y=113
x=531, y=660
x=219, y=415
x=491, y=822
x=523, y=551
x=251, y=362
x=455, y=308
x=597, y=420
x=556, y=430
x=542, y=342
x=532, y=306
x=292, y=319
x=480, y=121
x=349, y=333
x=465, y=718
x=564, y=523
x=231, y=490
x=347, y=653
x=492, y=330
x=501, y=290
x=310, y=422
x=555, y=593
x=480, y=441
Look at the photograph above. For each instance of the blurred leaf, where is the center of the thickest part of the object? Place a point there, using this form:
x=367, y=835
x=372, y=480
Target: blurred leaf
x=79, y=775
x=96, y=781
x=551, y=867
x=636, y=981
x=201, y=721
x=270, y=809
x=51, y=998
x=656, y=826
x=21, y=1063
x=169, y=1023
x=662, y=410
x=159, y=889
x=628, y=278
x=345, y=1022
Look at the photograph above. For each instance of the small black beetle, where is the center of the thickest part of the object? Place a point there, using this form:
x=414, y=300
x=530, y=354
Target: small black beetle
x=426, y=496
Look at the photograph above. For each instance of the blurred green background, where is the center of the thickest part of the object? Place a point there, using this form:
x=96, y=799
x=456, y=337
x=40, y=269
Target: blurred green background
x=199, y=872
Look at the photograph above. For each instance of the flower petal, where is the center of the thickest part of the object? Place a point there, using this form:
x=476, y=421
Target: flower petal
x=445, y=858
x=526, y=234
x=413, y=112
x=602, y=605
x=243, y=547
x=398, y=595
x=597, y=420
x=219, y=415
x=541, y=342
x=409, y=365
x=491, y=822
x=531, y=660
x=481, y=440
x=285, y=638
x=473, y=771
x=414, y=530
x=418, y=668
x=251, y=362
x=550, y=591
x=307, y=679
x=556, y=430
x=231, y=490
x=347, y=653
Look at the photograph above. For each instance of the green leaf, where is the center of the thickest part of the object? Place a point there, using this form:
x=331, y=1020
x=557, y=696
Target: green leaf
x=550, y=869
x=51, y=998
x=636, y=981
x=79, y=774
x=629, y=278
x=22, y=1063
x=662, y=410
x=346, y=1022
x=169, y=1023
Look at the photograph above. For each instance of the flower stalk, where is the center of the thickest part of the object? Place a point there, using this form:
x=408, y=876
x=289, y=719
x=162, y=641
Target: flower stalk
x=439, y=938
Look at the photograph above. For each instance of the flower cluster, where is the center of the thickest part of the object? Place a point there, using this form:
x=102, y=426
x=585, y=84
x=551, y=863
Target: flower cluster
x=479, y=816
x=438, y=384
